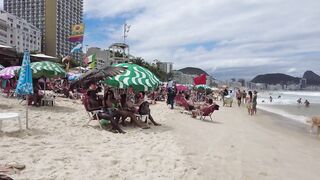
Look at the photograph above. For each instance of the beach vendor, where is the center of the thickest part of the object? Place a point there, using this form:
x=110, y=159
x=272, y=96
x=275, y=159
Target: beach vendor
x=225, y=93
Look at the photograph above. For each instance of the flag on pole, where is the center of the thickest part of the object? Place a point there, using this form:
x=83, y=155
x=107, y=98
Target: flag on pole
x=77, y=33
x=200, y=79
x=77, y=48
x=91, y=60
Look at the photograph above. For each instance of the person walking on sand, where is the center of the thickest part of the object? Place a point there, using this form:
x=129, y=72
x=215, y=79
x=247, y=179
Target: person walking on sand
x=171, y=96
x=238, y=96
x=254, y=103
x=249, y=102
x=244, y=96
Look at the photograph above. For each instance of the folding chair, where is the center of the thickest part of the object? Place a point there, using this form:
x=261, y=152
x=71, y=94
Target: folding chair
x=93, y=114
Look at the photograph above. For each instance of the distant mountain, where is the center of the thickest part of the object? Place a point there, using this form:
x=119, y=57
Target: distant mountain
x=276, y=78
x=193, y=71
x=312, y=78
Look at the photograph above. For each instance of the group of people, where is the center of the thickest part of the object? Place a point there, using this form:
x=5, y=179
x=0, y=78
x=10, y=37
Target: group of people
x=117, y=107
x=306, y=102
x=249, y=99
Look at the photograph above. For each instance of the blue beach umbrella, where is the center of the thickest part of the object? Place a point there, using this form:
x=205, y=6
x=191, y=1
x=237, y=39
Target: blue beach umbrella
x=24, y=86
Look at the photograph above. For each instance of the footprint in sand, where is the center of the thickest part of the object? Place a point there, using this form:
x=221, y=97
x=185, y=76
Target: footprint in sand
x=105, y=155
x=114, y=162
x=263, y=174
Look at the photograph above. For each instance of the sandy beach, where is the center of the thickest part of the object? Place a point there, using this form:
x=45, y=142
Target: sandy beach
x=234, y=146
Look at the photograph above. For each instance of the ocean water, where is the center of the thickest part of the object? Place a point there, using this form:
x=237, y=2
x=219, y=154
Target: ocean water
x=287, y=106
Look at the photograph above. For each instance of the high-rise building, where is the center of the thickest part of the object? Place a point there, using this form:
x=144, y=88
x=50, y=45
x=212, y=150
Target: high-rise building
x=53, y=17
x=165, y=66
x=18, y=33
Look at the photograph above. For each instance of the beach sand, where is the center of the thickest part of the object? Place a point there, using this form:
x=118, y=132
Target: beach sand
x=234, y=146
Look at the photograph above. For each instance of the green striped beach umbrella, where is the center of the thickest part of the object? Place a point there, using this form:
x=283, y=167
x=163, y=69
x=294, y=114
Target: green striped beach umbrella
x=135, y=76
x=202, y=87
x=47, y=69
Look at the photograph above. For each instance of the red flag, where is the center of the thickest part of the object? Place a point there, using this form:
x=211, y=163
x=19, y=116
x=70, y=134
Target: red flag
x=202, y=79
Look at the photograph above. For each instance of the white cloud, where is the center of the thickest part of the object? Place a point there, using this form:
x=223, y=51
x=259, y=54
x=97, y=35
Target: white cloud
x=245, y=33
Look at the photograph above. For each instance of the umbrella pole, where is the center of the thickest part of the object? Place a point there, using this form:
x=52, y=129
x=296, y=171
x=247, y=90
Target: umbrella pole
x=27, y=112
x=44, y=86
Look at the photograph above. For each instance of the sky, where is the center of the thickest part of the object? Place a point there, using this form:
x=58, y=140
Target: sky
x=226, y=38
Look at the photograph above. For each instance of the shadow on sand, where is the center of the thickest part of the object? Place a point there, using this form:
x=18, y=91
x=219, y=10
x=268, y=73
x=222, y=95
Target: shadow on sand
x=209, y=121
x=23, y=133
x=3, y=106
x=54, y=108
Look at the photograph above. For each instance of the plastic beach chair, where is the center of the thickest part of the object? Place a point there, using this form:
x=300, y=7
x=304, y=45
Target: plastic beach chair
x=10, y=115
x=93, y=114
x=207, y=112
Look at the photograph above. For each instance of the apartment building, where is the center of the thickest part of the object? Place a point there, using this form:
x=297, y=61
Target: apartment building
x=18, y=33
x=53, y=17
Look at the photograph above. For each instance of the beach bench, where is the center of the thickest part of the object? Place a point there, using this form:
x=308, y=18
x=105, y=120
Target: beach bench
x=8, y=116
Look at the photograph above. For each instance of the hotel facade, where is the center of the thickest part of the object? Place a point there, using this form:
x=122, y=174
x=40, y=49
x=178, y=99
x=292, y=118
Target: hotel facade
x=53, y=17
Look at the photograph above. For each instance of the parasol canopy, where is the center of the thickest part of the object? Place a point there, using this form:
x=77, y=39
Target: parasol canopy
x=135, y=76
x=8, y=73
x=202, y=87
x=73, y=76
x=181, y=87
x=98, y=74
x=47, y=69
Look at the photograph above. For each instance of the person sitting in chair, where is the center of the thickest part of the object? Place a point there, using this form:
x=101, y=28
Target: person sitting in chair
x=128, y=109
x=95, y=103
x=37, y=95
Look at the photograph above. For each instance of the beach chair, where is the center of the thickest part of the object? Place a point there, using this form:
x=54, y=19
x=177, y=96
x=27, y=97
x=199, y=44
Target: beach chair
x=93, y=114
x=185, y=106
x=207, y=112
x=9, y=115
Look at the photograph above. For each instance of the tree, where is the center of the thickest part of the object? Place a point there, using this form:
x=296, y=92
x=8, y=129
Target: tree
x=154, y=69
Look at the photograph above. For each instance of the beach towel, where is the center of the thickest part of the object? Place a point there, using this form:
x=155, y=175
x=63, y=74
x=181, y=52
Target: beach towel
x=3, y=84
